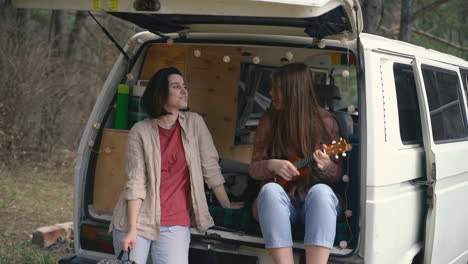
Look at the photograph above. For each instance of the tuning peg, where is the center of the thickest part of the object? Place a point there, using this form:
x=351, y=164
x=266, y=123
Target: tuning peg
x=337, y=157
x=333, y=142
x=341, y=138
x=343, y=154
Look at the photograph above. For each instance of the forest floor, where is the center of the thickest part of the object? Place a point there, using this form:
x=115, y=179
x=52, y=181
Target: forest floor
x=32, y=197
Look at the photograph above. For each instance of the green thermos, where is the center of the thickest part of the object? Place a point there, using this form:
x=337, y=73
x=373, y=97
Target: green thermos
x=121, y=111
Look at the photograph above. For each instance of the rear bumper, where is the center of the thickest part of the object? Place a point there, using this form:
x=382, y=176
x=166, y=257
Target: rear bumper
x=76, y=260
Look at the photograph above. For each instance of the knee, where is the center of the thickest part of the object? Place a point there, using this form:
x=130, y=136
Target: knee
x=270, y=191
x=321, y=192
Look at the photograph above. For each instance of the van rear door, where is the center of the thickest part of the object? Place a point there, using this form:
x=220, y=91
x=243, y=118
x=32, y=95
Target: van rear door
x=445, y=134
x=317, y=19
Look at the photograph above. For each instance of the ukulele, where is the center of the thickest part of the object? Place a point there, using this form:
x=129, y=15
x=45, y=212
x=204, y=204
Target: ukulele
x=336, y=148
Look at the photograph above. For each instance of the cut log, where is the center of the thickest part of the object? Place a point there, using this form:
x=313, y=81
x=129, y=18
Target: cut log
x=47, y=235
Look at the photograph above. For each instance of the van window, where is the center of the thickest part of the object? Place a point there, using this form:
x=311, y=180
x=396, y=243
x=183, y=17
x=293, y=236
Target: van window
x=253, y=100
x=408, y=106
x=444, y=97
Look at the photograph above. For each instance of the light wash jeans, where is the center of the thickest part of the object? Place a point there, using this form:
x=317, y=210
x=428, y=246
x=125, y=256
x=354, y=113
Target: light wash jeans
x=277, y=213
x=172, y=247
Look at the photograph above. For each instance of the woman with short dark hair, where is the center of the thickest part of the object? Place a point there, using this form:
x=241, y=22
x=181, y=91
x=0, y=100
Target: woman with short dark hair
x=169, y=158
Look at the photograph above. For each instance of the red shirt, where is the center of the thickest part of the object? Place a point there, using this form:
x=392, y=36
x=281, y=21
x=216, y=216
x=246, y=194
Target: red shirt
x=175, y=179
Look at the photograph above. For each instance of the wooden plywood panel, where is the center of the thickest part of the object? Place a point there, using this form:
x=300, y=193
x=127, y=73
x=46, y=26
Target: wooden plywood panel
x=211, y=82
x=161, y=56
x=213, y=86
x=110, y=175
x=242, y=153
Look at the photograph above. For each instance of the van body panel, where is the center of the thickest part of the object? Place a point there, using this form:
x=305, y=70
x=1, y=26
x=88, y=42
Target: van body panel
x=394, y=207
x=447, y=171
x=87, y=145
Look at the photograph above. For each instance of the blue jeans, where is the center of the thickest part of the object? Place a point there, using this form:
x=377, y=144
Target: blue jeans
x=172, y=247
x=318, y=213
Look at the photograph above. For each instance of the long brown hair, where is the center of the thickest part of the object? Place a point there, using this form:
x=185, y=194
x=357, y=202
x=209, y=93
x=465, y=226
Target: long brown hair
x=297, y=123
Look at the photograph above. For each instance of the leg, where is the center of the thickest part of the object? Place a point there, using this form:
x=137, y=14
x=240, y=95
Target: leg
x=139, y=253
x=172, y=247
x=317, y=254
x=320, y=211
x=275, y=214
x=283, y=255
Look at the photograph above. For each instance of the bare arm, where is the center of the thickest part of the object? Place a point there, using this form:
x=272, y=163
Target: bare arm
x=223, y=199
x=132, y=210
x=129, y=241
x=210, y=167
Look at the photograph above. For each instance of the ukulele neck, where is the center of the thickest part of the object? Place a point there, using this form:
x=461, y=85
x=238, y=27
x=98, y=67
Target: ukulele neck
x=303, y=162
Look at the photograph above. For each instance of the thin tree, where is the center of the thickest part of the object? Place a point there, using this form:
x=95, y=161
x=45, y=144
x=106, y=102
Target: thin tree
x=372, y=10
x=80, y=18
x=408, y=16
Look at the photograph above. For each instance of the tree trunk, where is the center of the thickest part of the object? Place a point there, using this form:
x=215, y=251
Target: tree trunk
x=22, y=21
x=59, y=24
x=3, y=8
x=406, y=20
x=372, y=16
x=80, y=19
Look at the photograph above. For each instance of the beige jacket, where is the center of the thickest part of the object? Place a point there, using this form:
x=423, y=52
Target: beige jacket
x=144, y=174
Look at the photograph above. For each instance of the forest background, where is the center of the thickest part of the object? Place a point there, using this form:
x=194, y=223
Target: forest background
x=53, y=64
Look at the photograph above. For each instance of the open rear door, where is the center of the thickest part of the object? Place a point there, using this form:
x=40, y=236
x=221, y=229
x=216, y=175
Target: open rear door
x=445, y=133
x=317, y=19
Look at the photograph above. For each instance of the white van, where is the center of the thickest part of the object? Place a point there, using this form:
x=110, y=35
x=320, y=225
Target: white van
x=402, y=107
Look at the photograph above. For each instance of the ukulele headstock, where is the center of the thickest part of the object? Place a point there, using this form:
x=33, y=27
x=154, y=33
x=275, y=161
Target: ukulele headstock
x=340, y=147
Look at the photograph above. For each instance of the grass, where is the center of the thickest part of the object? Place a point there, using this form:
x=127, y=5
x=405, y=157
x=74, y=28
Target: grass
x=31, y=198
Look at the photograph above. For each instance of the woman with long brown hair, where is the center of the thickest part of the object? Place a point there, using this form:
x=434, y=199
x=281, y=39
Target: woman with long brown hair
x=295, y=125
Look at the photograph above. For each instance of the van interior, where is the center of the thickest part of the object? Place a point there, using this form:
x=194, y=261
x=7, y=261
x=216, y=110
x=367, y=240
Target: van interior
x=228, y=86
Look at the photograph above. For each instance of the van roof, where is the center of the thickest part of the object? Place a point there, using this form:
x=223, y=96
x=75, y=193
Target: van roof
x=374, y=42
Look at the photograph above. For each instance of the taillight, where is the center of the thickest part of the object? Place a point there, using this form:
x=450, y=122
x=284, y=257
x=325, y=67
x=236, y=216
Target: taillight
x=96, y=238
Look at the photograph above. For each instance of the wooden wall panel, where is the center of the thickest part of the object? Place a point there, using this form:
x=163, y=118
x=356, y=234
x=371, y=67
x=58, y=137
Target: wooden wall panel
x=162, y=56
x=110, y=175
x=212, y=84
x=213, y=87
x=242, y=153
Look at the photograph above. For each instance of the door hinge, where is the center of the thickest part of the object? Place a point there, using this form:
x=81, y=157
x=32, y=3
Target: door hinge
x=430, y=186
x=429, y=190
x=430, y=196
x=422, y=182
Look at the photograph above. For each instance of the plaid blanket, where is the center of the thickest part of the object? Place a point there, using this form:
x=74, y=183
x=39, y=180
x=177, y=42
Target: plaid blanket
x=241, y=220
x=238, y=219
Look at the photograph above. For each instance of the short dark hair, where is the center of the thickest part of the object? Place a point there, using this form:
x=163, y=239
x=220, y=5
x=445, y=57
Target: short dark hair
x=156, y=93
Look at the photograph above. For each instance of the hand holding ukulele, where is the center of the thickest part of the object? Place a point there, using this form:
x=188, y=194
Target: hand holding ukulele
x=283, y=168
x=295, y=167
x=321, y=158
